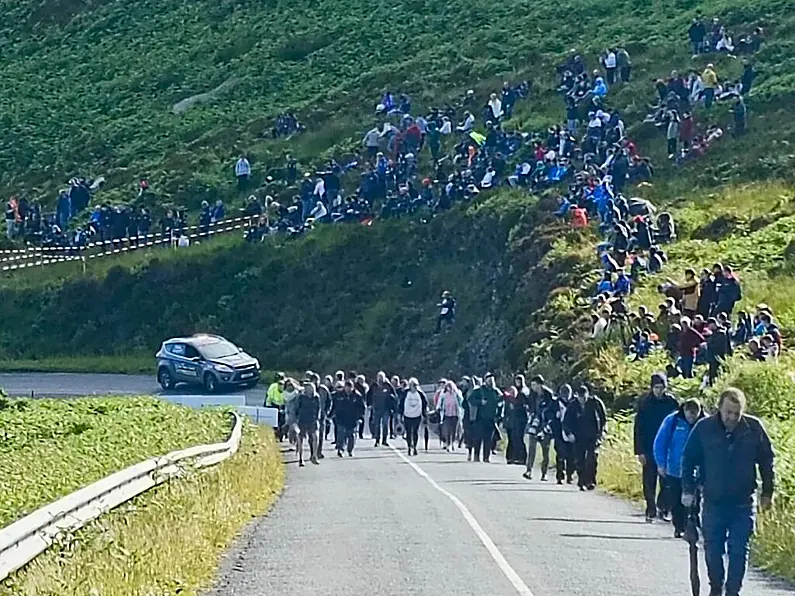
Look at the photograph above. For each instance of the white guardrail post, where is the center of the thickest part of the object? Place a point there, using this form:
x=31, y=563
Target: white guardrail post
x=25, y=539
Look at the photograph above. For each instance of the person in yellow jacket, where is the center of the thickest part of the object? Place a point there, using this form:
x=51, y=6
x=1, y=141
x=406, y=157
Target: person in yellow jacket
x=274, y=398
x=710, y=80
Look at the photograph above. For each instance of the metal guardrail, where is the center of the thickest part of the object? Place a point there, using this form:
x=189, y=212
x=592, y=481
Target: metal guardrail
x=27, y=538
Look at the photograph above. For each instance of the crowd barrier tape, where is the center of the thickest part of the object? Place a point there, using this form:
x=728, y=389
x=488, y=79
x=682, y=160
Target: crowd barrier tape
x=41, y=259
x=126, y=239
x=27, y=538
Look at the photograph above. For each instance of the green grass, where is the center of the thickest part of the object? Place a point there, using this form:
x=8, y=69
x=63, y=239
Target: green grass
x=166, y=541
x=130, y=364
x=99, y=79
x=51, y=448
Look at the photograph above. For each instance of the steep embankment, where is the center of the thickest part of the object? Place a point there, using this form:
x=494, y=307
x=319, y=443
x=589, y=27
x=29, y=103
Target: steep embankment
x=347, y=296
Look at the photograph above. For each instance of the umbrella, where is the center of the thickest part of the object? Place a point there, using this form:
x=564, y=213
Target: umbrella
x=691, y=535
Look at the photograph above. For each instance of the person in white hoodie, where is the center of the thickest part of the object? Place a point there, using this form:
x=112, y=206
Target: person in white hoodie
x=413, y=407
x=451, y=412
x=496, y=106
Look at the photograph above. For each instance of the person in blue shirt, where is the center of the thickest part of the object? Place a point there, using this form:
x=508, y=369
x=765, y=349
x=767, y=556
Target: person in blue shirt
x=669, y=445
x=623, y=285
x=606, y=285
x=599, y=87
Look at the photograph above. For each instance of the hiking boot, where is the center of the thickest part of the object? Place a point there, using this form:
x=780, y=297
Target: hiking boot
x=350, y=453
x=339, y=453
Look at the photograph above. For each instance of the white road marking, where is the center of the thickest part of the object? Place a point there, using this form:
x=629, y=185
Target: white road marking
x=502, y=563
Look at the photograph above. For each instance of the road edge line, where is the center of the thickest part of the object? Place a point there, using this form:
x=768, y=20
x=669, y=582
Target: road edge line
x=509, y=572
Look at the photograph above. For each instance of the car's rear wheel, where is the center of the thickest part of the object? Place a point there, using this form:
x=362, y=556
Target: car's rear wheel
x=165, y=379
x=210, y=383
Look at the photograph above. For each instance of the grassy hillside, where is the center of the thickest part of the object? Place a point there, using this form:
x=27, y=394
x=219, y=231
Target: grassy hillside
x=95, y=82
x=53, y=447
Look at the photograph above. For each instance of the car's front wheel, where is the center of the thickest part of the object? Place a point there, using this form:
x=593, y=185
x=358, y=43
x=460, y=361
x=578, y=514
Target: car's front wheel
x=165, y=379
x=210, y=383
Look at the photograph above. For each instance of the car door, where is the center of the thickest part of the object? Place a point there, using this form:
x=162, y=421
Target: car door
x=193, y=364
x=183, y=367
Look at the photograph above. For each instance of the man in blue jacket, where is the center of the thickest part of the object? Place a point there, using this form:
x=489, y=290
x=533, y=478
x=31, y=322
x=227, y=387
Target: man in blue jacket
x=652, y=410
x=724, y=452
x=668, y=448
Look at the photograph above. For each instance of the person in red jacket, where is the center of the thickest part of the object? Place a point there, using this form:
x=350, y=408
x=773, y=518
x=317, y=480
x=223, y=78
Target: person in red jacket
x=579, y=218
x=689, y=342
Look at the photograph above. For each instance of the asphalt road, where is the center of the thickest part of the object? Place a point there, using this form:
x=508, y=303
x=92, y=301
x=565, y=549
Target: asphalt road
x=375, y=525
x=436, y=526
x=73, y=385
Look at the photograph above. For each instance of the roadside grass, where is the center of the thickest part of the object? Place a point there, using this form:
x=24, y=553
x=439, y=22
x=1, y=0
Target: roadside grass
x=53, y=447
x=166, y=541
x=131, y=364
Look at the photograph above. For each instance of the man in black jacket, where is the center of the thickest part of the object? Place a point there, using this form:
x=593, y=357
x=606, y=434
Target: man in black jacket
x=652, y=410
x=346, y=411
x=308, y=416
x=586, y=421
x=724, y=452
x=382, y=398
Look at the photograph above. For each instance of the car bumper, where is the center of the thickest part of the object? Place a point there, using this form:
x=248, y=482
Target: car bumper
x=239, y=377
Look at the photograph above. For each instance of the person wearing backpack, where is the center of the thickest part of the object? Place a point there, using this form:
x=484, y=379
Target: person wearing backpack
x=669, y=445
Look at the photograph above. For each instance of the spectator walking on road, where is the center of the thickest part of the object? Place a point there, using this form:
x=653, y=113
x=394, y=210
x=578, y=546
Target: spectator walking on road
x=652, y=410
x=308, y=416
x=451, y=411
x=413, y=408
x=382, y=398
x=586, y=421
x=484, y=403
x=564, y=450
x=669, y=444
x=722, y=456
x=539, y=425
x=346, y=411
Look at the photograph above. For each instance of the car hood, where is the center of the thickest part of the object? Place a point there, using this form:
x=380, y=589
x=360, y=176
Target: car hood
x=235, y=360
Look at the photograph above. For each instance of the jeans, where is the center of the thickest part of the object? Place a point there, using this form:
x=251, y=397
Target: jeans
x=709, y=97
x=532, y=445
x=412, y=431
x=380, y=427
x=686, y=364
x=673, y=499
x=587, y=458
x=655, y=500
x=516, y=451
x=564, y=460
x=346, y=437
x=732, y=526
x=482, y=434
x=449, y=429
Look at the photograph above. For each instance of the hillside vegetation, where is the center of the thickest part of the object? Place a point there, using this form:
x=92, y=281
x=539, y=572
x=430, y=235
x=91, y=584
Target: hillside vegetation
x=94, y=87
x=51, y=448
x=95, y=82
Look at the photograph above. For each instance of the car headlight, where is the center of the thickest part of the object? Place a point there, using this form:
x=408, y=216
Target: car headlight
x=256, y=363
x=222, y=368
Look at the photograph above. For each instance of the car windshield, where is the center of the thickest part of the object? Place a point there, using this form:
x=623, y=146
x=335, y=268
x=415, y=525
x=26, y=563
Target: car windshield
x=219, y=349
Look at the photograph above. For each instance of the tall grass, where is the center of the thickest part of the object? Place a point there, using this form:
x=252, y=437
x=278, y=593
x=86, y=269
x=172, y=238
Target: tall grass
x=167, y=541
